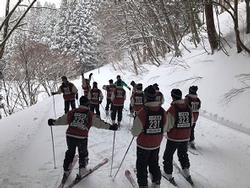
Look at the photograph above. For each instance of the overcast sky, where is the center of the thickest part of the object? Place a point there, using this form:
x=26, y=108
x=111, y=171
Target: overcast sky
x=3, y=2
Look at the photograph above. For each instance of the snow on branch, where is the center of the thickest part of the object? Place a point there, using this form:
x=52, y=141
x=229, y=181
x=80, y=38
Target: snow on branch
x=192, y=80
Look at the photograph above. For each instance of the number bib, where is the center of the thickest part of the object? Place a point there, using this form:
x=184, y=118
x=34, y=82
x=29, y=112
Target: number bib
x=80, y=120
x=183, y=118
x=119, y=94
x=139, y=100
x=195, y=105
x=154, y=122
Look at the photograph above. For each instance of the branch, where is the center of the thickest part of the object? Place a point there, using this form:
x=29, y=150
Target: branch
x=16, y=25
x=9, y=15
x=39, y=7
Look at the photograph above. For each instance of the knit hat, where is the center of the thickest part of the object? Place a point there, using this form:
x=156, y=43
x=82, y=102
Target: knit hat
x=132, y=83
x=155, y=85
x=139, y=87
x=176, y=94
x=118, y=77
x=193, y=90
x=111, y=81
x=64, y=78
x=95, y=84
x=150, y=93
x=84, y=101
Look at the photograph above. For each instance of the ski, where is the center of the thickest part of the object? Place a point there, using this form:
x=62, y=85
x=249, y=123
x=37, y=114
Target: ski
x=193, y=151
x=172, y=181
x=130, y=179
x=64, y=179
x=188, y=179
x=90, y=171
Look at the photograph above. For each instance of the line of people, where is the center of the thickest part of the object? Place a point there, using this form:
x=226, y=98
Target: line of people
x=150, y=124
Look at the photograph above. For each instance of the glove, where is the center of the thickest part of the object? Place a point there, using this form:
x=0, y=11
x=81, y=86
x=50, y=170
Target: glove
x=76, y=96
x=51, y=122
x=129, y=88
x=113, y=127
x=90, y=74
x=53, y=93
x=100, y=102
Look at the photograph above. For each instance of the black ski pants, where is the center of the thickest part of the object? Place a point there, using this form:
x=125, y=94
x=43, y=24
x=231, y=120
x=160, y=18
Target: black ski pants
x=182, y=148
x=82, y=145
x=192, y=133
x=96, y=108
x=109, y=103
x=71, y=103
x=116, y=110
x=148, y=159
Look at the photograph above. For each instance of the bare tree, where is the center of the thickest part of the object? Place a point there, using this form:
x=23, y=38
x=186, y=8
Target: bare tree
x=211, y=31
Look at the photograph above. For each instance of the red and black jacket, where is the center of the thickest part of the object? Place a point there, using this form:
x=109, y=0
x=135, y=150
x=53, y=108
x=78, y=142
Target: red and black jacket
x=67, y=90
x=118, y=96
x=153, y=121
x=182, y=124
x=195, y=104
x=80, y=121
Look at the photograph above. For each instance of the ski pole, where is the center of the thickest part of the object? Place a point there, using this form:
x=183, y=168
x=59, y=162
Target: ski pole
x=53, y=147
x=123, y=158
x=112, y=158
x=52, y=137
x=54, y=106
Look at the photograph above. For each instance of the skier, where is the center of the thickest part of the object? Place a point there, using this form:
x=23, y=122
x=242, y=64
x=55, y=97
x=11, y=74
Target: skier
x=194, y=103
x=179, y=118
x=137, y=99
x=118, y=77
x=86, y=84
x=133, y=84
x=109, y=88
x=70, y=93
x=80, y=121
x=95, y=97
x=118, y=97
x=149, y=125
x=159, y=95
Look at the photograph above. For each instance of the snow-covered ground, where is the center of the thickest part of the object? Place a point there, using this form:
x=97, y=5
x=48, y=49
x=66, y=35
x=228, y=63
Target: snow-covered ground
x=223, y=153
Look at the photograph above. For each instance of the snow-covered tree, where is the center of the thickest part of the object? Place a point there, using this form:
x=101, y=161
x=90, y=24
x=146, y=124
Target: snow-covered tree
x=75, y=32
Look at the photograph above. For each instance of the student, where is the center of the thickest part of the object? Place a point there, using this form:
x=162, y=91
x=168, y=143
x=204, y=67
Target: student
x=118, y=97
x=159, y=95
x=79, y=122
x=95, y=97
x=149, y=126
x=179, y=122
x=109, y=89
x=69, y=92
x=86, y=84
x=118, y=77
x=194, y=103
x=137, y=99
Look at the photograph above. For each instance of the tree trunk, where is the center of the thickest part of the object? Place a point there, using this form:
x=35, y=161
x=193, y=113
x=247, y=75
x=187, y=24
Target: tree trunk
x=192, y=23
x=248, y=16
x=171, y=29
x=211, y=31
x=236, y=27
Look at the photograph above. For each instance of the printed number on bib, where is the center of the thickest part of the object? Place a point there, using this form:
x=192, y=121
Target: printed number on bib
x=183, y=120
x=80, y=121
x=154, y=125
